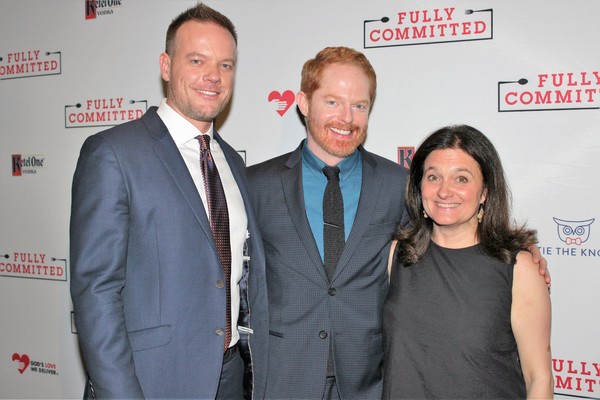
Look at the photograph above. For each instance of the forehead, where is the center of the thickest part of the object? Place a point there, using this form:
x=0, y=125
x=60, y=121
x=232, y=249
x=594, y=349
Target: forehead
x=452, y=159
x=345, y=77
x=197, y=34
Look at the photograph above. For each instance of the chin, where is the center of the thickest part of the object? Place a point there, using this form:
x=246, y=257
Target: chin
x=344, y=149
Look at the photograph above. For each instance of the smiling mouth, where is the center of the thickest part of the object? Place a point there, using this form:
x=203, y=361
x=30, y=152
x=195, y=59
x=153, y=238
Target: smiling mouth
x=341, y=131
x=207, y=92
x=445, y=205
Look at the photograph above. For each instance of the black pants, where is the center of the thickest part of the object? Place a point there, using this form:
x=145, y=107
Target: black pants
x=231, y=384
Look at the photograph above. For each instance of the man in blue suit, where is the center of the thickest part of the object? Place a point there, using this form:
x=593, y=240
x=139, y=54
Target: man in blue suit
x=149, y=290
x=325, y=330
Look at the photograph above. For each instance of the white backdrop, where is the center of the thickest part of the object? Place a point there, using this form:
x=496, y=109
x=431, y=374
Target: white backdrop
x=64, y=77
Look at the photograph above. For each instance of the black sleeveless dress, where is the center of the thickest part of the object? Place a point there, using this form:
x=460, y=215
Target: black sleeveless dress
x=447, y=330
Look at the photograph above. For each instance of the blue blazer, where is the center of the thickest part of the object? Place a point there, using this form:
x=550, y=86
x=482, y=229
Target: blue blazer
x=306, y=312
x=145, y=269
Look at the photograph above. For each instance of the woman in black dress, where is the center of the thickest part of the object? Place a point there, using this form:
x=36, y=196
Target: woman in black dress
x=467, y=314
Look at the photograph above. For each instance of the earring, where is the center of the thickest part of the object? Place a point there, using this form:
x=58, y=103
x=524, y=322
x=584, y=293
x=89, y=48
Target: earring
x=480, y=213
x=425, y=214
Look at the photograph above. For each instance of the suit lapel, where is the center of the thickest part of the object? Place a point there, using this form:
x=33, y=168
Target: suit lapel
x=370, y=189
x=167, y=151
x=291, y=181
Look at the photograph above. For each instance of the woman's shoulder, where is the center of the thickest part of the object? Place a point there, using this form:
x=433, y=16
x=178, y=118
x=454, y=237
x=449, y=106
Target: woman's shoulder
x=524, y=259
x=526, y=270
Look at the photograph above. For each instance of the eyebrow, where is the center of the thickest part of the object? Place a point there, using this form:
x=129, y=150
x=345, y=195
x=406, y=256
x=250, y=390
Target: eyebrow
x=202, y=55
x=336, y=97
x=460, y=169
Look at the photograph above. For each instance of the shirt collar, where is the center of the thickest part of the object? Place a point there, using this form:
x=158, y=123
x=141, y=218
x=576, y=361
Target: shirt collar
x=180, y=128
x=347, y=166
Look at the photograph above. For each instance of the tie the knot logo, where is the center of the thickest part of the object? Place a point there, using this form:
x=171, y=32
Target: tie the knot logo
x=573, y=232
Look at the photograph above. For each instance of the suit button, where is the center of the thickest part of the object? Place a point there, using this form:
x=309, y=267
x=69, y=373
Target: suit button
x=220, y=284
x=219, y=332
x=323, y=335
x=332, y=291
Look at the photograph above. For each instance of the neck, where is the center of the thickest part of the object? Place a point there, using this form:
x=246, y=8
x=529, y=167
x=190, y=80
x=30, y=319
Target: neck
x=454, y=237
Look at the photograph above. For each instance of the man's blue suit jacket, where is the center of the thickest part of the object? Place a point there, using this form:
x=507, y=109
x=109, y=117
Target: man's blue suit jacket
x=146, y=281
x=306, y=312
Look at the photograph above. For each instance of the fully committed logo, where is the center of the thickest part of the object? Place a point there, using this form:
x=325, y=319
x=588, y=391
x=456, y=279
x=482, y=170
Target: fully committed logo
x=103, y=112
x=576, y=377
x=33, y=266
x=29, y=63
x=570, y=90
x=22, y=361
x=428, y=26
x=283, y=101
x=94, y=8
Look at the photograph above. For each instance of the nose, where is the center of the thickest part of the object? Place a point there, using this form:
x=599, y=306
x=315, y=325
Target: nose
x=211, y=73
x=346, y=114
x=445, y=190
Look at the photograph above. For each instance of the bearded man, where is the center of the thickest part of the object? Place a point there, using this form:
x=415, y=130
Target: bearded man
x=325, y=313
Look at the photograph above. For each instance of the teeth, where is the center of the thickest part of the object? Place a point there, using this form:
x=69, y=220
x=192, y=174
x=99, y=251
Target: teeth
x=207, y=92
x=446, y=205
x=340, y=131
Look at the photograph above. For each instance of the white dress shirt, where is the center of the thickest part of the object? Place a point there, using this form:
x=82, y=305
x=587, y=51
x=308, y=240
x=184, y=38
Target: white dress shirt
x=184, y=134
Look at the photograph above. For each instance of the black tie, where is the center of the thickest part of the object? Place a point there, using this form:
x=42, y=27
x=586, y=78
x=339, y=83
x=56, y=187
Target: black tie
x=219, y=220
x=333, y=234
x=333, y=220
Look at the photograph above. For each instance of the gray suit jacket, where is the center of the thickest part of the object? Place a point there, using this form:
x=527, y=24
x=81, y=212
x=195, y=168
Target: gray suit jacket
x=145, y=273
x=306, y=312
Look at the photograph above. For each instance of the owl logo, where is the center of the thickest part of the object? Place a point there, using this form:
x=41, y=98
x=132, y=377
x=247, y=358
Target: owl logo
x=573, y=232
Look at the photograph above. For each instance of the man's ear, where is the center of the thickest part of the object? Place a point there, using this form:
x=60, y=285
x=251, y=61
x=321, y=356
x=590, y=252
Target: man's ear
x=302, y=102
x=165, y=66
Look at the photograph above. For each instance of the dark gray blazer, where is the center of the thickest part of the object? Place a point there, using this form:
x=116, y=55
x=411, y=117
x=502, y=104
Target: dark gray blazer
x=145, y=273
x=305, y=311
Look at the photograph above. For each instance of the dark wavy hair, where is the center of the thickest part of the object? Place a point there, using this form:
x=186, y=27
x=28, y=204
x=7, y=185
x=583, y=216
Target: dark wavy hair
x=201, y=13
x=498, y=236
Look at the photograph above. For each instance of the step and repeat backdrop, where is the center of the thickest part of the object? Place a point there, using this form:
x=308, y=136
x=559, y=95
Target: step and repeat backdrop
x=526, y=73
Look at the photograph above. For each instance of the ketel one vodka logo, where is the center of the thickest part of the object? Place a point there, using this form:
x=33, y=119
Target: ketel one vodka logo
x=26, y=164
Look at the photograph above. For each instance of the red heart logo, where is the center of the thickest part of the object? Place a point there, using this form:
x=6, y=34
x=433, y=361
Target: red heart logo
x=22, y=361
x=284, y=101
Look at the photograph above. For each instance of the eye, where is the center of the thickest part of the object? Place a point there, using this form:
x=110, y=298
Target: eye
x=462, y=179
x=227, y=66
x=431, y=178
x=361, y=107
x=330, y=102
